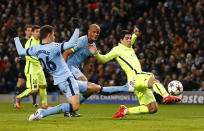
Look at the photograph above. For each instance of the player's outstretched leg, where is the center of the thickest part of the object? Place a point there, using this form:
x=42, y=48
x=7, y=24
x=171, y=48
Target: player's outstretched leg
x=27, y=92
x=143, y=109
x=159, y=89
x=41, y=113
x=129, y=87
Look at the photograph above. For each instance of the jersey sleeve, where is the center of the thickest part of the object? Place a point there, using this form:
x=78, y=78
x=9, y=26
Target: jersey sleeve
x=31, y=51
x=19, y=47
x=78, y=45
x=109, y=56
x=57, y=47
x=134, y=37
x=73, y=40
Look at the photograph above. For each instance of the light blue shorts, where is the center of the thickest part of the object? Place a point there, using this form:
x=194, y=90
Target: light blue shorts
x=82, y=86
x=76, y=72
x=69, y=87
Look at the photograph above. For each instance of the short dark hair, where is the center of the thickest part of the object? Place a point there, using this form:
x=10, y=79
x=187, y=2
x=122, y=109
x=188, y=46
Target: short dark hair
x=45, y=30
x=123, y=33
x=35, y=27
x=28, y=26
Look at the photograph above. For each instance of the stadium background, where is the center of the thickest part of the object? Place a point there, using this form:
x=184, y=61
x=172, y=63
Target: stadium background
x=170, y=44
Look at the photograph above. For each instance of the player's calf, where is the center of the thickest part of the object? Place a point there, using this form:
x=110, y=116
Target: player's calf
x=74, y=101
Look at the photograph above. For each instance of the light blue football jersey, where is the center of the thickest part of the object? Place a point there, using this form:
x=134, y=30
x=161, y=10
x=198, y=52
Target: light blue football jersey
x=50, y=56
x=81, y=52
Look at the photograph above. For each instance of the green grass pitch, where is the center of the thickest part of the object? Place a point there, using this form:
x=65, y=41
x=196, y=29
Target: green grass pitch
x=97, y=117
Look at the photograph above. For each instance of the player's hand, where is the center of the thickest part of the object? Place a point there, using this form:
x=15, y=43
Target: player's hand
x=76, y=22
x=136, y=31
x=12, y=32
x=93, y=49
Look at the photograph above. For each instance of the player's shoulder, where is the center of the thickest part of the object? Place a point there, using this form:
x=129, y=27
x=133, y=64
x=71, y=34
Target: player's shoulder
x=116, y=48
x=83, y=39
x=56, y=44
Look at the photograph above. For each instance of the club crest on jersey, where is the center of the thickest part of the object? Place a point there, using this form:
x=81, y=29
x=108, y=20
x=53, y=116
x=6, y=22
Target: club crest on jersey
x=57, y=44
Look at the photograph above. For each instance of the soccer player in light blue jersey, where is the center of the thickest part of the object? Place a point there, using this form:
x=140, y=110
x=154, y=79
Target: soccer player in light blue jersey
x=49, y=54
x=76, y=55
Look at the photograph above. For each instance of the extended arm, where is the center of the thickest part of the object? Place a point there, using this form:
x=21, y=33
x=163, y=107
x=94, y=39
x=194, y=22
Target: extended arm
x=72, y=41
x=104, y=58
x=135, y=35
x=19, y=47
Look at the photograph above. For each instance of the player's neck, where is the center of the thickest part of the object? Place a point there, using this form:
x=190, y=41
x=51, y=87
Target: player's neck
x=35, y=38
x=90, y=40
x=27, y=37
x=126, y=45
x=45, y=41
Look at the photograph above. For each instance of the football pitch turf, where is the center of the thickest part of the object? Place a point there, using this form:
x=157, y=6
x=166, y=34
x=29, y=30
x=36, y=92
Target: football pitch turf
x=98, y=117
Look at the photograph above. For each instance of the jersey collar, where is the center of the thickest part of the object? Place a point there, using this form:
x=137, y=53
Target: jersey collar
x=123, y=46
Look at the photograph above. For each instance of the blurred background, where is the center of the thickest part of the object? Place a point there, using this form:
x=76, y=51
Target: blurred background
x=171, y=44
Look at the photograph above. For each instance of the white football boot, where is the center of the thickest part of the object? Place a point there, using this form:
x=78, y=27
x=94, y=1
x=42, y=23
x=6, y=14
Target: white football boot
x=36, y=115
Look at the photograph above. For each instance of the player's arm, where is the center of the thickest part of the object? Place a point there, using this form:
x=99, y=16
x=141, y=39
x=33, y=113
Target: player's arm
x=71, y=43
x=19, y=47
x=66, y=53
x=104, y=58
x=135, y=35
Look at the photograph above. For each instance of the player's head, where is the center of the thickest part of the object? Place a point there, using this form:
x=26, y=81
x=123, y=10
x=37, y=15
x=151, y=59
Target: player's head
x=36, y=31
x=125, y=38
x=47, y=32
x=93, y=32
x=28, y=31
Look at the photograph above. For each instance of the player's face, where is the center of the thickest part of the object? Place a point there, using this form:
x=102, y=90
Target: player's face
x=28, y=32
x=93, y=33
x=126, y=40
x=36, y=33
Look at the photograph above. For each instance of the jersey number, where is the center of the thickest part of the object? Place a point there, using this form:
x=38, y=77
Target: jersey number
x=51, y=65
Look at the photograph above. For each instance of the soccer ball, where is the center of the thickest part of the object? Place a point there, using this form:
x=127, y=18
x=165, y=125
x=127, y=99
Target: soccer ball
x=175, y=88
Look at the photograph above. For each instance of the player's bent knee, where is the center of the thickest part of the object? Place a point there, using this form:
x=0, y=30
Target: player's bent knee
x=81, y=78
x=153, y=110
x=153, y=107
x=151, y=81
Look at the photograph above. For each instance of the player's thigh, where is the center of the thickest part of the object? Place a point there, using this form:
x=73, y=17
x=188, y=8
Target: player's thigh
x=77, y=73
x=69, y=87
x=145, y=97
x=41, y=78
x=141, y=81
x=31, y=82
